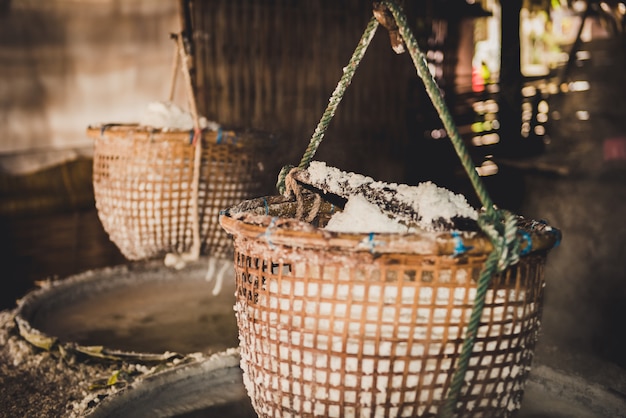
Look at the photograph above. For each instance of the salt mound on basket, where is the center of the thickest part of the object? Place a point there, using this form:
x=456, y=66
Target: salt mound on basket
x=170, y=117
x=375, y=206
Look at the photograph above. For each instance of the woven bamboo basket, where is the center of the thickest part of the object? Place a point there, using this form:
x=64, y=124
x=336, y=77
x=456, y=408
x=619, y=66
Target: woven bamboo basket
x=334, y=324
x=142, y=180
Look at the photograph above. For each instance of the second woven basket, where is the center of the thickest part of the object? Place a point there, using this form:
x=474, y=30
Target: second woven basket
x=142, y=180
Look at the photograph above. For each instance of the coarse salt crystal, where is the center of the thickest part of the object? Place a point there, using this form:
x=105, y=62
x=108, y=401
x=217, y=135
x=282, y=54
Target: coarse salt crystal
x=359, y=215
x=170, y=117
x=428, y=202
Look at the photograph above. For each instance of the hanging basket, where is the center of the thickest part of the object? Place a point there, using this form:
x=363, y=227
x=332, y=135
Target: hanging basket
x=417, y=324
x=143, y=180
x=334, y=324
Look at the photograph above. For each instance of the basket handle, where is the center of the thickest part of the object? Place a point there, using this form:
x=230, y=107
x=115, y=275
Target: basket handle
x=181, y=56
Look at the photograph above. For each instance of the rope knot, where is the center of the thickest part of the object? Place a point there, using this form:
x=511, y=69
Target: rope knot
x=501, y=228
x=384, y=17
x=282, y=176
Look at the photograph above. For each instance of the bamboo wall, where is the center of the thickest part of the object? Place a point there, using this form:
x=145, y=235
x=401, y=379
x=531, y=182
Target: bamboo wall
x=273, y=65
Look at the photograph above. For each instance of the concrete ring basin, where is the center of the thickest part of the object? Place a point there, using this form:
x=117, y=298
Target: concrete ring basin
x=141, y=310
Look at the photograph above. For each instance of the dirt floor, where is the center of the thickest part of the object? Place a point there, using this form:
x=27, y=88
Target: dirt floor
x=36, y=382
x=58, y=383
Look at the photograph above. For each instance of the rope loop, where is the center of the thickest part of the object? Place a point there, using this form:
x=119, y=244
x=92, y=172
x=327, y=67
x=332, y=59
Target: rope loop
x=501, y=228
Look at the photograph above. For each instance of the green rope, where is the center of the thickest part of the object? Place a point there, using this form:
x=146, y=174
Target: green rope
x=505, y=253
x=499, y=226
x=449, y=406
x=333, y=102
x=419, y=60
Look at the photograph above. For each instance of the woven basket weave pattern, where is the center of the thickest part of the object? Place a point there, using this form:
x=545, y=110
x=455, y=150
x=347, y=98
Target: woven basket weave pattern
x=338, y=334
x=142, y=186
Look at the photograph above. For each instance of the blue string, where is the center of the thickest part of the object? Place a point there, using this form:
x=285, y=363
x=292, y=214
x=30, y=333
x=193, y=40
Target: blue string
x=529, y=242
x=554, y=231
x=267, y=207
x=371, y=243
x=268, y=233
x=191, y=134
x=227, y=137
x=459, y=247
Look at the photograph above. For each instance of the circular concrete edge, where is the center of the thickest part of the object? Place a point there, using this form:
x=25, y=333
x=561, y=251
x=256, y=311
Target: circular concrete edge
x=574, y=389
x=218, y=380
x=214, y=381
x=52, y=294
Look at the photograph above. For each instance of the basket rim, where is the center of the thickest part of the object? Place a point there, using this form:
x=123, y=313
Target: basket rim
x=250, y=219
x=136, y=131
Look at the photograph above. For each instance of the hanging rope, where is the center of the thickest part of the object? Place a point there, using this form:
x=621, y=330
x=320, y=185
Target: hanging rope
x=500, y=226
x=179, y=260
x=419, y=60
x=175, y=64
x=333, y=102
x=505, y=252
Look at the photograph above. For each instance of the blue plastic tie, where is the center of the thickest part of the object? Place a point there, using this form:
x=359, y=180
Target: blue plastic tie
x=191, y=134
x=226, y=137
x=557, y=234
x=459, y=247
x=371, y=243
x=529, y=242
x=268, y=233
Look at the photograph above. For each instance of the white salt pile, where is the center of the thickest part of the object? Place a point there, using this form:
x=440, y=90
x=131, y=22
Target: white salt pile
x=170, y=117
x=359, y=215
x=375, y=206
